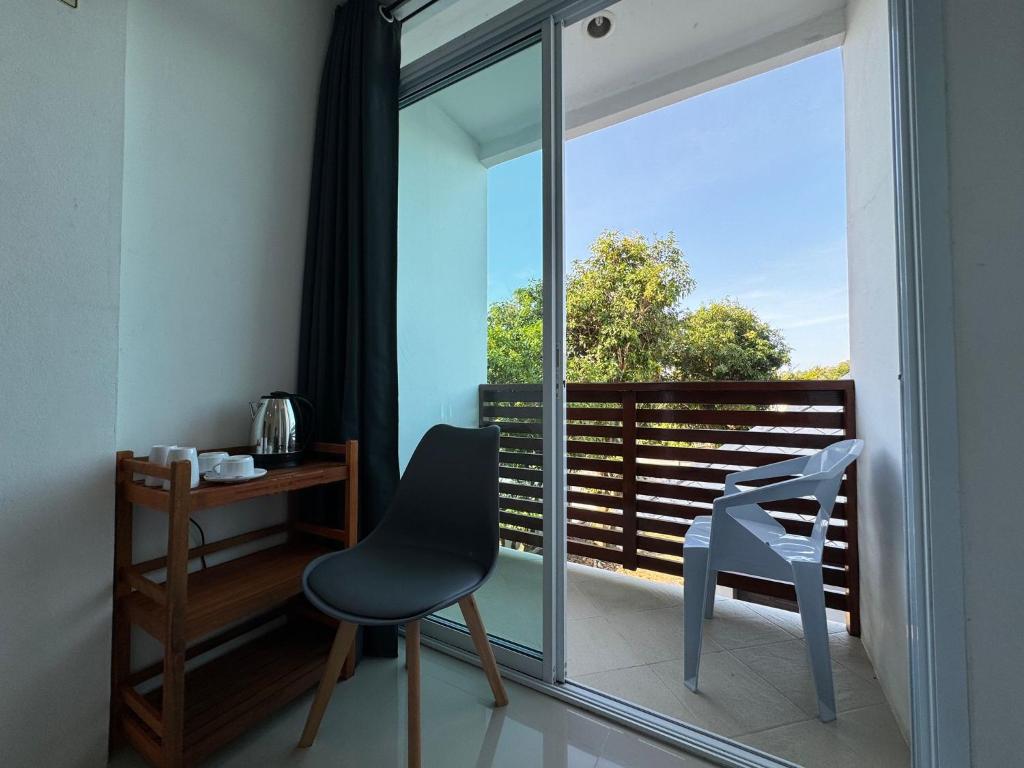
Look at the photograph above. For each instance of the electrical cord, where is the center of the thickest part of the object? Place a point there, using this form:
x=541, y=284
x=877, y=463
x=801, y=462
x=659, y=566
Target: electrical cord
x=202, y=540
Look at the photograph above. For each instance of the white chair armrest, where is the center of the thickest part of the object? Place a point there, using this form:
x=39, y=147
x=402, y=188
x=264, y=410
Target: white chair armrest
x=787, y=489
x=785, y=468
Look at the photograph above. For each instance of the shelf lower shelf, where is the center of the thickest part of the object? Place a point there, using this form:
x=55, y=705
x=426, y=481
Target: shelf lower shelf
x=223, y=594
x=228, y=694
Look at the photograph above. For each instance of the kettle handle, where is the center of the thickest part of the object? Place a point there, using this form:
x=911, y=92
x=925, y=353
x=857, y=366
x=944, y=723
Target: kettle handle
x=310, y=419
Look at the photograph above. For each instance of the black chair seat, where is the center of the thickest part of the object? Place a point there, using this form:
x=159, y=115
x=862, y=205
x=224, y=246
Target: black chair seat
x=437, y=543
x=378, y=585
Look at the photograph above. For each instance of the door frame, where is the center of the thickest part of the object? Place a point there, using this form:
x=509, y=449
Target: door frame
x=935, y=578
x=936, y=618
x=554, y=388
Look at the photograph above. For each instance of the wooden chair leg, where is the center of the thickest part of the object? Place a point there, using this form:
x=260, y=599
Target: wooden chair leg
x=412, y=660
x=336, y=659
x=483, y=648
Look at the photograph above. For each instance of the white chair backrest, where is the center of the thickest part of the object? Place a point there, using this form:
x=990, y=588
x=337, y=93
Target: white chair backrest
x=834, y=460
x=829, y=465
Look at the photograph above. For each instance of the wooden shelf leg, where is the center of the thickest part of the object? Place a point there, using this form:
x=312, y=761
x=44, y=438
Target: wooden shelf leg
x=121, y=648
x=173, y=709
x=351, y=510
x=412, y=656
x=351, y=522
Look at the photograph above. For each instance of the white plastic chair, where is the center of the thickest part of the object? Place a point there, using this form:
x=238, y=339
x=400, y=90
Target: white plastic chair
x=740, y=537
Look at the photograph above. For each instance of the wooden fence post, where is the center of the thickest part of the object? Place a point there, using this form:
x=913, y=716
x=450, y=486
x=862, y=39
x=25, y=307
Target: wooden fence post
x=852, y=548
x=629, y=557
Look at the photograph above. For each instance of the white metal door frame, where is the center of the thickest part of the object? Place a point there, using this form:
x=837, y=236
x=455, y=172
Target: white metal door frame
x=554, y=358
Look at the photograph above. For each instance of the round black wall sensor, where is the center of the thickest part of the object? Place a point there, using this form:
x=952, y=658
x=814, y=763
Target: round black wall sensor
x=599, y=26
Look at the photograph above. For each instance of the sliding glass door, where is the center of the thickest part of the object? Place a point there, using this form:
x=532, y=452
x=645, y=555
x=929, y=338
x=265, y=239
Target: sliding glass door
x=476, y=312
x=654, y=94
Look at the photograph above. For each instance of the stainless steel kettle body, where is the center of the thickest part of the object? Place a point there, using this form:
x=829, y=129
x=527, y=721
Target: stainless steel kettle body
x=279, y=435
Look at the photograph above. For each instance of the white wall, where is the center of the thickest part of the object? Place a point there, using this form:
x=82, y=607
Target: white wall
x=220, y=103
x=874, y=347
x=442, y=275
x=220, y=108
x=61, y=129
x=984, y=65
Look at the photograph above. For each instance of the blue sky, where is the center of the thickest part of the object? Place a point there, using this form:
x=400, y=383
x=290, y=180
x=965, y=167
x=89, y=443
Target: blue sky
x=750, y=177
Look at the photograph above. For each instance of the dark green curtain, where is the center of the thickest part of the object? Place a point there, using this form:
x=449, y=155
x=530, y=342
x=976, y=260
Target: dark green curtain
x=348, y=360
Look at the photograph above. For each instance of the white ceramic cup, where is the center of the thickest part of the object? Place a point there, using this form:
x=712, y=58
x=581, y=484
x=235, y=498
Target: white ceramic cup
x=235, y=467
x=210, y=459
x=179, y=453
x=157, y=455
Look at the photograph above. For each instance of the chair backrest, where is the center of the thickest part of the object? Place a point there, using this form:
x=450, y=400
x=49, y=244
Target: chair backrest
x=834, y=460
x=447, y=500
x=828, y=465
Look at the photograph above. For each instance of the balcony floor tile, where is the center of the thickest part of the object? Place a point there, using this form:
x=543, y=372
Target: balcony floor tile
x=732, y=699
x=858, y=738
x=785, y=666
x=593, y=645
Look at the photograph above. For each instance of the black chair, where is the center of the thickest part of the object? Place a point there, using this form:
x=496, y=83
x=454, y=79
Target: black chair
x=436, y=546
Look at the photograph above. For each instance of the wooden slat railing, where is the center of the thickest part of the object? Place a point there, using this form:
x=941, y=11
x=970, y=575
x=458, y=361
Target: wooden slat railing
x=644, y=459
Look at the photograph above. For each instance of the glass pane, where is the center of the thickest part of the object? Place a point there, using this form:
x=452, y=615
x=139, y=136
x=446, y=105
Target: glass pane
x=710, y=151
x=469, y=269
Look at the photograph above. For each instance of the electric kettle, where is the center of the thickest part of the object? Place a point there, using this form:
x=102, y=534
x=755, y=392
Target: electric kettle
x=282, y=424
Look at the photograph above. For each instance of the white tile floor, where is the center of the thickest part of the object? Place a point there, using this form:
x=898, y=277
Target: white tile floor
x=365, y=726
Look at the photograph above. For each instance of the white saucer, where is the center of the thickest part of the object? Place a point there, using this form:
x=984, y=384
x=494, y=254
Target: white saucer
x=214, y=478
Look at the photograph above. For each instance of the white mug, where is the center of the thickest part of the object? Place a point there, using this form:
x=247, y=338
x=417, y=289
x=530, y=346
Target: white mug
x=157, y=455
x=210, y=459
x=235, y=466
x=178, y=453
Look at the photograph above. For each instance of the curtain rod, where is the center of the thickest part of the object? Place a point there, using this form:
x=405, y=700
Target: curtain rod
x=387, y=11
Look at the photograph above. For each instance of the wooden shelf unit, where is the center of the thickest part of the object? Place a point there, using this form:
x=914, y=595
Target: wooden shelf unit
x=193, y=713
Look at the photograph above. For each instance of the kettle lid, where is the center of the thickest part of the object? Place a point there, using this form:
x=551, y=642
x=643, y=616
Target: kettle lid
x=278, y=395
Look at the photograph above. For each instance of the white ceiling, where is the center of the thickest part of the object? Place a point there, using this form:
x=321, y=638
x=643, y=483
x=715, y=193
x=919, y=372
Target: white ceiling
x=670, y=48
x=659, y=52
x=499, y=107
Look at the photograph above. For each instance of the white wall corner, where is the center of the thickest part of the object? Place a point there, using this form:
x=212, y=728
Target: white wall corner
x=874, y=348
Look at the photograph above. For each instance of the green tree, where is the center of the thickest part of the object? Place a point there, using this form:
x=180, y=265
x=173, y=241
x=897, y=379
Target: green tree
x=622, y=308
x=819, y=372
x=624, y=323
x=515, y=337
x=725, y=341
